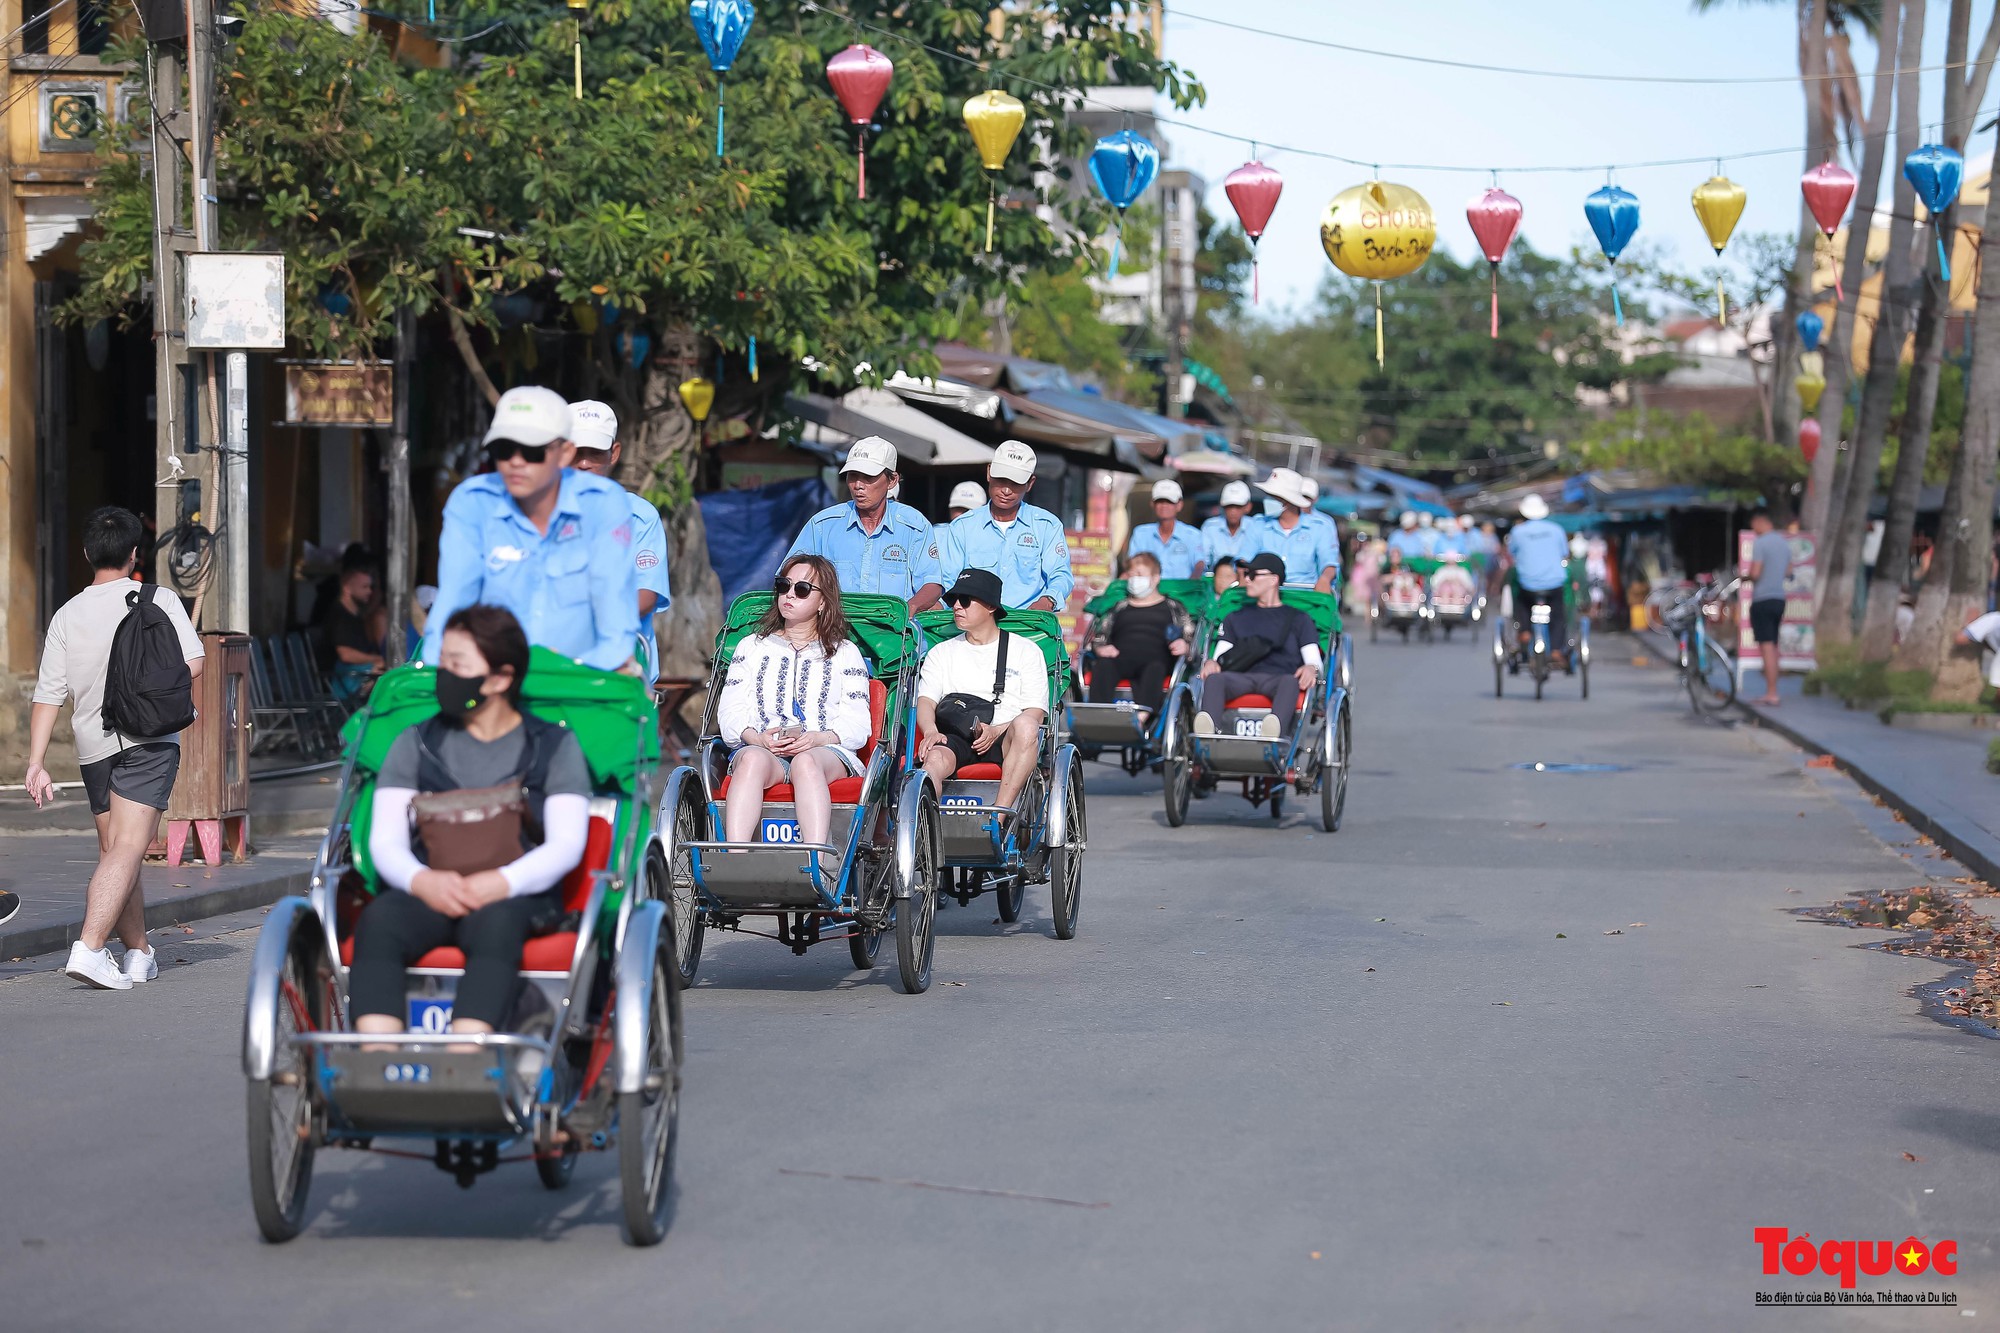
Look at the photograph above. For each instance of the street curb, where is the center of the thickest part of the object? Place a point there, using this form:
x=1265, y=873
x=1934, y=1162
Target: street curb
x=1963, y=844
x=171, y=912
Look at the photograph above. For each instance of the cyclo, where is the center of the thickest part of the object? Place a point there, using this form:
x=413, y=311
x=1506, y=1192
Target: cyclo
x=884, y=834
x=1455, y=598
x=1044, y=840
x=1402, y=599
x=1117, y=726
x=592, y=1057
x=1314, y=758
x=1510, y=654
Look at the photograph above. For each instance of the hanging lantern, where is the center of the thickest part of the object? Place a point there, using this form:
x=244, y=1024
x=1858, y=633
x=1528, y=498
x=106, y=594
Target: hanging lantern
x=1809, y=436
x=1614, y=218
x=860, y=78
x=1829, y=189
x=1810, y=327
x=1936, y=172
x=1253, y=191
x=753, y=358
x=1811, y=380
x=1718, y=203
x=1123, y=165
x=1495, y=217
x=995, y=119
x=576, y=8
x=721, y=26
x=697, y=395
x=1378, y=230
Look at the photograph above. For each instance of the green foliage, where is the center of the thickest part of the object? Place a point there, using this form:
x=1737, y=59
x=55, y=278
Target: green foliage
x=1993, y=755
x=1868, y=685
x=1693, y=450
x=1221, y=269
x=612, y=212
x=1054, y=317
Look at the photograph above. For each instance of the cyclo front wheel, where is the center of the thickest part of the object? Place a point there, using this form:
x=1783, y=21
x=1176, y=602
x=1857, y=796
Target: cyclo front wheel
x=649, y=1116
x=280, y=1112
x=1333, y=780
x=675, y=885
x=916, y=908
x=1177, y=765
x=1066, y=856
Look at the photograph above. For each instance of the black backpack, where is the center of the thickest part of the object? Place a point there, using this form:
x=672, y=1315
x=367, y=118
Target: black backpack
x=148, y=690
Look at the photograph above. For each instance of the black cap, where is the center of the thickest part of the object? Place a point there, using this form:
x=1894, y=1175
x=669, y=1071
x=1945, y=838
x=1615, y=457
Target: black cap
x=981, y=585
x=1265, y=562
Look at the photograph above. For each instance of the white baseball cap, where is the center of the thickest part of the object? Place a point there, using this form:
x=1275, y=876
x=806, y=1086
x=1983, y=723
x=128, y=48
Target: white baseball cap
x=871, y=456
x=529, y=414
x=1409, y=518
x=966, y=495
x=592, y=425
x=1235, y=493
x=1167, y=489
x=1288, y=486
x=1425, y=518
x=1013, y=461
x=1534, y=507
x=1464, y=521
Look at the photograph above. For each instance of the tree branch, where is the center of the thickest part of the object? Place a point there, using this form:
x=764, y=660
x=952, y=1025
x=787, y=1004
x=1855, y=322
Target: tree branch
x=462, y=340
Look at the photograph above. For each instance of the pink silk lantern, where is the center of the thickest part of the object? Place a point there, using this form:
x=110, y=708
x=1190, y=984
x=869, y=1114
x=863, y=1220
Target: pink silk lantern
x=1809, y=436
x=860, y=78
x=1253, y=191
x=1495, y=217
x=1829, y=189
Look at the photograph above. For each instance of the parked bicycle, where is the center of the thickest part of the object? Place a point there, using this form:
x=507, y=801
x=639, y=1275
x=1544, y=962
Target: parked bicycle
x=1708, y=670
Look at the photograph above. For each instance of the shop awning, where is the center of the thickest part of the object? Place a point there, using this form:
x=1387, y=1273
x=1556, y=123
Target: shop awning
x=956, y=395
x=949, y=447
x=1213, y=463
x=1133, y=423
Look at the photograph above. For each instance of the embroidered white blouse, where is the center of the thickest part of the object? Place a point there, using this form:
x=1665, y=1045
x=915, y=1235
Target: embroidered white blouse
x=773, y=684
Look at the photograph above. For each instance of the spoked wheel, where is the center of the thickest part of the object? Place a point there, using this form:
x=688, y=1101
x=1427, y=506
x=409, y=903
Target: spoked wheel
x=676, y=882
x=1374, y=623
x=1066, y=857
x=1177, y=768
x=556, y=1171
x=280, y=1112
x=1711, y=683
x=916, y=910
x=1333, y=781
x=862, y=947
x=1277, y=802
x=1009, y=899
x=649, y=1119
x=1583, y=664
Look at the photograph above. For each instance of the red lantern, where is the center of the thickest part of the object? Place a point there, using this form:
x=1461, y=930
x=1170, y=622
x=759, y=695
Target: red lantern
x=1829, y=189
x=1809, y=438
x=1253, y=190
x=1495, y=217
x=860, y=78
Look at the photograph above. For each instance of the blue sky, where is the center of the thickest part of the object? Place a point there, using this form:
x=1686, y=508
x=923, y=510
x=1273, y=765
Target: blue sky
x=1376, y=109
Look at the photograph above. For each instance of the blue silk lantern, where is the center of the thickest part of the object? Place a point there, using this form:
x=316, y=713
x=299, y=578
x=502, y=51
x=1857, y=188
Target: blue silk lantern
x=1936, y=172
x=1811, y=326
x=721, y=26
x=1123, y=165
x=1614, y=217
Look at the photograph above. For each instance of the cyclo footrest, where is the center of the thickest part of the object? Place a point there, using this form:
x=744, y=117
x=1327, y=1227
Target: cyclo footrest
x=429, y=1089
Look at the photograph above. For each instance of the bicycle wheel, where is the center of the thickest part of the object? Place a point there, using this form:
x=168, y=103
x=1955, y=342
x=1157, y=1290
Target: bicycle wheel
x=1711, y=676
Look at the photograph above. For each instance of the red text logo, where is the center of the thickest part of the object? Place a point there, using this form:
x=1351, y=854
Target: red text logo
x=1800, y=1255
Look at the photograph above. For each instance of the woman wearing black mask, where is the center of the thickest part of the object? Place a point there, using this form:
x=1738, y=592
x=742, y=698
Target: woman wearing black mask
x=479, y=813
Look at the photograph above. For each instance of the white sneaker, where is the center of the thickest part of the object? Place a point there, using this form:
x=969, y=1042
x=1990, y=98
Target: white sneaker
x=1268, y=727
x=1204, y=725
x=141, y=965
x=95, y=967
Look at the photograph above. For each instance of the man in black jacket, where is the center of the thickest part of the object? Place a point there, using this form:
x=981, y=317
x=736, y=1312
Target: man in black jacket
x=1274, y=651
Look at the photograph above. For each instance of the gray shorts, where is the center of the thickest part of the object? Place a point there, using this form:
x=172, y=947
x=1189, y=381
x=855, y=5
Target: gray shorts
x=140, y=773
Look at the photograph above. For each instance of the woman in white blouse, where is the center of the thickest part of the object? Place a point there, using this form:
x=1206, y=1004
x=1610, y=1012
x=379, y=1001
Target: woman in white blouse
x=795, y=705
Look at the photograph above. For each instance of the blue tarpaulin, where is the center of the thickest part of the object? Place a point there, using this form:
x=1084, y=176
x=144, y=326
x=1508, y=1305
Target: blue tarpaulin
x=750, y=531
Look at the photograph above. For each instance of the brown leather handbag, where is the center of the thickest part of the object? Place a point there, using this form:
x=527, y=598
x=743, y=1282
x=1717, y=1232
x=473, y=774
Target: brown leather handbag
x=471, y=829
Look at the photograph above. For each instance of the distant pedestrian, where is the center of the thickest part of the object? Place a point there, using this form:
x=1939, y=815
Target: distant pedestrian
x=128, y=777
x=351, y=637
x=1983, y=632
x=1770, y=561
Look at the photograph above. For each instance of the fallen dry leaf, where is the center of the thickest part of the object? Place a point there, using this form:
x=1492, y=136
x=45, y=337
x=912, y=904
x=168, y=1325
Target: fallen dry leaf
x=1820, y=761
x=1614, y=932
x=1911, y=1157
x=1315, y=1254
x=1561, y=936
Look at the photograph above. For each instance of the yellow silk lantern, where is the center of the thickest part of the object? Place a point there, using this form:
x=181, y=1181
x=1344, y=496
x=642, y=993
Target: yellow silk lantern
x=995, y=119
x=576, y=32
x=1718, y=203
x=698, y=395
x=1811, y=381
x=1378, y=230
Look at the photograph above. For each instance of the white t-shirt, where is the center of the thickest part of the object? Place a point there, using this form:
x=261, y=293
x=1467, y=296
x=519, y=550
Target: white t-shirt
x=77, y=653
x=1985, y=631
x=959, y=666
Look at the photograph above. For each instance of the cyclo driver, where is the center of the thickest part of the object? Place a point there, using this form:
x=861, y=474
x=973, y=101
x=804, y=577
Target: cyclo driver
x=1538, y=548
x=982, y=692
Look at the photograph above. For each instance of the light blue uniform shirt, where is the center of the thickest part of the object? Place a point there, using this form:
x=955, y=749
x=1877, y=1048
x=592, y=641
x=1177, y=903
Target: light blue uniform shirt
x=896, y=559
x=649, y=564
x=1407, y=542
x=1449, y=542
x=1031, y=556
x=1178, y=555
x=1306, y=549
x=1221, y=545
x=1539, y=548
x=575, y=590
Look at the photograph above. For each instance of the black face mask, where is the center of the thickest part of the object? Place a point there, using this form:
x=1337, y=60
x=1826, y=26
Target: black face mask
x=458, y=696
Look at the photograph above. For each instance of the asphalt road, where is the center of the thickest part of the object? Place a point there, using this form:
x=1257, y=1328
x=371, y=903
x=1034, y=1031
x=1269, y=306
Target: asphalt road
x=1408, y=1076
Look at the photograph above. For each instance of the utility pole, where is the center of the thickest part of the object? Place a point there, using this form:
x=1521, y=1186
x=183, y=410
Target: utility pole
x=166, y=30
x=401, y=529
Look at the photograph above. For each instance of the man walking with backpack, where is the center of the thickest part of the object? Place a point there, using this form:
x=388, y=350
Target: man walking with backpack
x=124, y=655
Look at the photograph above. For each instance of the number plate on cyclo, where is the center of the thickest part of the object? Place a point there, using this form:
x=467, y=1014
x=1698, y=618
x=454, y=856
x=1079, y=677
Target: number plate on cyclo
x=961, y=803
x=782, y=831
x=429, y=1014
x=1249, y=726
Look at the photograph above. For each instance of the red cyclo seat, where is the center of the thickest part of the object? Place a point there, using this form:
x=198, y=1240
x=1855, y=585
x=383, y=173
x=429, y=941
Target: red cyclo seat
x=978, y=773
x=844, y=791
x=544, y=953
x=1250, y=701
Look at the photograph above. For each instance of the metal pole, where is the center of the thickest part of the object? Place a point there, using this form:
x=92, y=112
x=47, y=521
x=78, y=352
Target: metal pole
x=236, y=495
x=396, y=577
x=169, y=333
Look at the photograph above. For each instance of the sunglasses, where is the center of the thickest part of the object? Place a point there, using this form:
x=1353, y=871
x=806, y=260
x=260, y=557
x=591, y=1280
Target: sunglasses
x=960, y=601
x=798, y=589
x=502, y=450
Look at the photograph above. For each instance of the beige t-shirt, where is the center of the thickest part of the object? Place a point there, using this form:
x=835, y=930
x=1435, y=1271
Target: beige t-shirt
x=76, y=655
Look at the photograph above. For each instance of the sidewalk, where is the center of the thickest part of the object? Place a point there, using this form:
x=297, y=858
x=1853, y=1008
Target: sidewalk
x=1935, y=778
